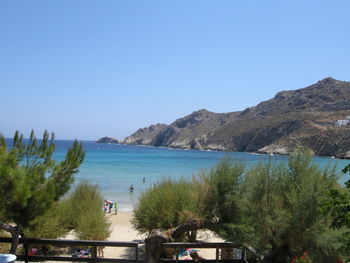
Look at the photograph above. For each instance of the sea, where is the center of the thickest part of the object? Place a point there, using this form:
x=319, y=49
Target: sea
x=114, y=167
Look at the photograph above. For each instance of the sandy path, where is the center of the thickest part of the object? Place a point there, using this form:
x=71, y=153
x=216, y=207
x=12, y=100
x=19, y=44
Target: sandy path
x=122, y=231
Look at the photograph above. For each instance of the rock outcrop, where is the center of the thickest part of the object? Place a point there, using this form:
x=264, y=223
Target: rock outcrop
x=292, y=118
x=107, y=140
x=145, y=135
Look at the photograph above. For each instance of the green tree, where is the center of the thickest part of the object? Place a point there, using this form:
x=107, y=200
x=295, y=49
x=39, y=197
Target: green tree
x=217, y=194
x=30, y=180
x=281, y=205
x=273, y=206
x=80, y=211
x=84, y=213
x=165, y=205
x=337, y=204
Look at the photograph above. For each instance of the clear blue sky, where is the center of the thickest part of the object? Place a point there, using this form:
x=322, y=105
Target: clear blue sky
x=86, y=69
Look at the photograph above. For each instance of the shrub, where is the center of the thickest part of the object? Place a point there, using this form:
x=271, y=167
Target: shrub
x=51, y=224
x=282, y=206
x=80, y=211
x=84, y=213
x=165, y=205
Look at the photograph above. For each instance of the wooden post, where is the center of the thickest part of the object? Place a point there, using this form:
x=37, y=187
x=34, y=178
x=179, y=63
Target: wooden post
x=14, y=231
x=217, y=254
x=136, y=253
x=177, y=254
x=26, y=251
x=94, y=252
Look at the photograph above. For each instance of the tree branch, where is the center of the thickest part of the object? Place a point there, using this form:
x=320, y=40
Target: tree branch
x=13, y=230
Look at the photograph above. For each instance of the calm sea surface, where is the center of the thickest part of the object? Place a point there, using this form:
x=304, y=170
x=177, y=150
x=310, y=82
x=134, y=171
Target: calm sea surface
x=115, y=167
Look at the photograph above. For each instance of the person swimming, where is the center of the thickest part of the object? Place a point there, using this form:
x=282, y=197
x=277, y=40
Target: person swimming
x=131, y=188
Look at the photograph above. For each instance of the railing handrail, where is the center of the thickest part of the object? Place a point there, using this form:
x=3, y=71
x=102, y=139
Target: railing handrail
x=65, y=242
x=71, y=242
x=95, y=244
x=201, y=245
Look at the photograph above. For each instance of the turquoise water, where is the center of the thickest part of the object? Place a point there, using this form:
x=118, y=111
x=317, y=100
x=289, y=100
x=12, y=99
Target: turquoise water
x=115, y=167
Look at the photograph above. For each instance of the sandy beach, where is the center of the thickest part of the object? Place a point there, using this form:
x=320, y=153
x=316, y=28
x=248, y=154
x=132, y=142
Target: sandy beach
x=122, y=230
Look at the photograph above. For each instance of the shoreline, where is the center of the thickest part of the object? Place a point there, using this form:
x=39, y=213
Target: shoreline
x=218, y=150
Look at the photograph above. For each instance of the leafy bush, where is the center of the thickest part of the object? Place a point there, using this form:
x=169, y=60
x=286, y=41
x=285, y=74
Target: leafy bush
x=51, y=224
x=84, y=213
x=165, y=205
x=282, y=207
x=275, y=207
x=218, y=195
x=80, y=211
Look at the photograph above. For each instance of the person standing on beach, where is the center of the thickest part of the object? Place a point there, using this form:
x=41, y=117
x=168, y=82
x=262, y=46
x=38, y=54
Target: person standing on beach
x=105, y=206
x=110, y=206
x=115, y=207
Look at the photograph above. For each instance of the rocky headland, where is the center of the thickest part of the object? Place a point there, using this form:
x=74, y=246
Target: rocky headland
x=304, y=117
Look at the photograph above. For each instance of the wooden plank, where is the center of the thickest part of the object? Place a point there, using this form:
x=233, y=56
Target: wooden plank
x=204, y=260
x=67, y=242
x=88, y=259
x=201, y=245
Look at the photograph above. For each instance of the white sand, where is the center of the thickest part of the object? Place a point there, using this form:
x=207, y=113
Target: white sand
x=122, y=231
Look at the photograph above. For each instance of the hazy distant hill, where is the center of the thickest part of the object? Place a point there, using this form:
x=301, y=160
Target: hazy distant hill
x=298, y=117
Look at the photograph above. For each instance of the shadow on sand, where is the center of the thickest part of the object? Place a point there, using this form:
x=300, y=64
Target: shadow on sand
x=129, y=253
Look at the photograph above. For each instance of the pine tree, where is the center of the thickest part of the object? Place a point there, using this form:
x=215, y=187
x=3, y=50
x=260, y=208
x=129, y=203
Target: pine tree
x=30, y=180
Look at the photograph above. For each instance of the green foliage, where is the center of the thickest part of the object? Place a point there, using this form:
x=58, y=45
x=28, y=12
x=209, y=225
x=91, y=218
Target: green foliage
x=30, y=180
x=80, y=211
x=275, y=207
x=84, y=213
x=165, y=205
x=52, y=224
x=225, y=181
x=281, y=205
x=337, y=205
x=217, y=197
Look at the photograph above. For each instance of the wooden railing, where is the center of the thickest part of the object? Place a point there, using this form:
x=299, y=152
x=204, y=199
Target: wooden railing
x=29, y=242
x=93, y=245
x=218, y=246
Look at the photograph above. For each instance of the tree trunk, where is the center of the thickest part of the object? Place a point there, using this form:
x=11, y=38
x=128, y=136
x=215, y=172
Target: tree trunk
x=13, y=230
x=280, y=254
x=154, y=241
x=154, y=245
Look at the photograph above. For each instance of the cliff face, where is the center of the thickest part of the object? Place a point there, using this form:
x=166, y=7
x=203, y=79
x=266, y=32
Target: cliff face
x=292, y=118
x=145, y=135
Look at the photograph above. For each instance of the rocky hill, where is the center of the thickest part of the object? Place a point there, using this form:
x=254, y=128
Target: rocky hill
x=292, y=118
